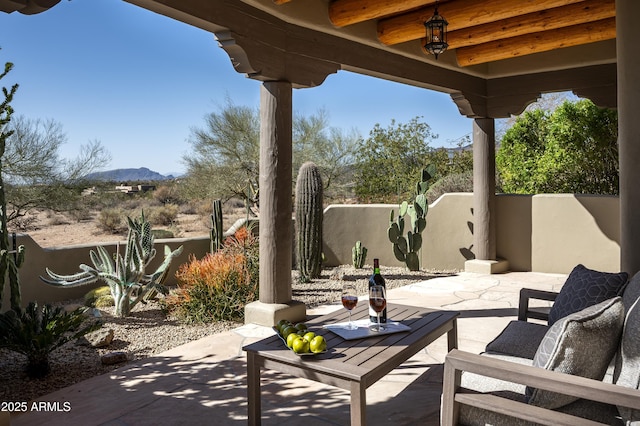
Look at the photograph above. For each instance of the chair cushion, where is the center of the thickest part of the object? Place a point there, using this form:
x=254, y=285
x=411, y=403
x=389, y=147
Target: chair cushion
x=627, y=370
x=585, y=287
x=519, y=338
x=582, y=344
x=631, y=292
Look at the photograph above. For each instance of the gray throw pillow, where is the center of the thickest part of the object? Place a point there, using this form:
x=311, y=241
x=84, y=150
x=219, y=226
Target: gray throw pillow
x=581, y=344
x=585, y=287
x=627, y=370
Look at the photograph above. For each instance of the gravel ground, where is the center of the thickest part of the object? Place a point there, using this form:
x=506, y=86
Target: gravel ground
x=148, y=331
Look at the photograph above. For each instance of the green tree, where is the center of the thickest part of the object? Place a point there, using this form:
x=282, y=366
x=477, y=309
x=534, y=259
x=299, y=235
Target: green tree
x=226, y=152
x=35, y=174
x=390, y=160
x=570, y=150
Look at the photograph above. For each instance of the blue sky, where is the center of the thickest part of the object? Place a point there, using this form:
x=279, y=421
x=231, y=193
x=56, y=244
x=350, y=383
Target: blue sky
x=138, y=82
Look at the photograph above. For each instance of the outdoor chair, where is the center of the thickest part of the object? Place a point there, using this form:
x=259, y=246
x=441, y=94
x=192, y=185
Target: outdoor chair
x=580, y=367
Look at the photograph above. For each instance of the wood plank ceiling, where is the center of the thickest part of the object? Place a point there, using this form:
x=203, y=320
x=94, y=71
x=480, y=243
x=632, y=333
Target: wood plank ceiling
x=482, y=31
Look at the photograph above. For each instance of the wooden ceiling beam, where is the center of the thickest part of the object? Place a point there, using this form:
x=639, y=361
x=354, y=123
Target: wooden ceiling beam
x=348, y=12
x=459, y=14
x=572, y=14
x=537, y=42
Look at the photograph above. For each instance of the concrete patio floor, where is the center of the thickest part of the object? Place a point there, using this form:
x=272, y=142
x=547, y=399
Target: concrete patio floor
x=204, y=382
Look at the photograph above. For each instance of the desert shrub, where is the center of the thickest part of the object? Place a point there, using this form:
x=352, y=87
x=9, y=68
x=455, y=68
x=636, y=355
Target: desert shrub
x=110, y=220
x=218, y=286
x=99, y=297
x=232, y=205
x=167, y=194
x=57, y=219
x=162, y=233
x=164, y=215
x=24, y=223
x=189, y=208
x=80, y=213
x=457, y=182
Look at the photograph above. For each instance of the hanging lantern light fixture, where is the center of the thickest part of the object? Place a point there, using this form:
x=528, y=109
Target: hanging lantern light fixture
x=436, y=41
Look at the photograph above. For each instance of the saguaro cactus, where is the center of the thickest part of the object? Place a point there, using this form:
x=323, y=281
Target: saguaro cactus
x=217, y=235
x=308, y=207
x=406, y=248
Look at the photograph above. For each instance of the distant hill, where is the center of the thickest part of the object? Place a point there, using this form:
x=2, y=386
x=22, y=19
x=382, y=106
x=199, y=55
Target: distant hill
x=128, y=175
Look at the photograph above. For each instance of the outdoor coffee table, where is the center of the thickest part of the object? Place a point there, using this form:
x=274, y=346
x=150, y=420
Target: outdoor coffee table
x=353, y=365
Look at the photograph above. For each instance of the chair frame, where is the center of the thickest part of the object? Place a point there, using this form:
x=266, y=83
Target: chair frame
x=453, y=395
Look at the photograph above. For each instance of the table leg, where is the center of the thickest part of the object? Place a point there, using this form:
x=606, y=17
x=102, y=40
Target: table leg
x=452, y=336
x=358, y=404
x=253, y=389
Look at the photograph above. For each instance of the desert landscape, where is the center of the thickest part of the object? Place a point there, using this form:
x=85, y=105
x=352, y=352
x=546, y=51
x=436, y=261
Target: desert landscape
x=50, y=229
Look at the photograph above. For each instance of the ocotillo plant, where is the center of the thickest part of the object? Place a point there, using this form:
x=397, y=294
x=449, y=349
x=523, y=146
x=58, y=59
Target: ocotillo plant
x=8, y=260
x=308, y=207
x=358, y=255
x=216, y=234
x=126, y=276
x=406, y=248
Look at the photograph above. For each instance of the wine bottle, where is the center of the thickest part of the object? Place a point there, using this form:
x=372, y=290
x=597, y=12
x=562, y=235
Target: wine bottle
x=377, y=279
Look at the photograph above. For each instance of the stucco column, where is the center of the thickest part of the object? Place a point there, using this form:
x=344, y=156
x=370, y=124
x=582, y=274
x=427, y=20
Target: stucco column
x=628, y=34
x=275, y=209
x=484, y=192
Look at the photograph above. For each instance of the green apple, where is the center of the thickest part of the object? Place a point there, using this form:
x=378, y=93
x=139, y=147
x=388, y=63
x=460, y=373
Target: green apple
x=300, y=346
x=318, y=344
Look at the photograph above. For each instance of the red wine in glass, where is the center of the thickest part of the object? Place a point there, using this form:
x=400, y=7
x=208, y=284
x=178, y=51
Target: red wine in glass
x=349, y=301
x=377, y=302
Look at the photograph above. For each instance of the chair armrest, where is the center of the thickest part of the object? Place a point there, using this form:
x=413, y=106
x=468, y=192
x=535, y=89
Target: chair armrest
x=453, y=395
x=524, y=311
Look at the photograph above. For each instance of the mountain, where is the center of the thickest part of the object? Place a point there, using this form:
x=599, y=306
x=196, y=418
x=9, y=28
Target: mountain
x=127, y=175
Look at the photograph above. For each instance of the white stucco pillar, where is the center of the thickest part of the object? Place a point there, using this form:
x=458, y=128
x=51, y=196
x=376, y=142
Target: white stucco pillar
x=627, y=36
x=275, y=209
x=484, y=193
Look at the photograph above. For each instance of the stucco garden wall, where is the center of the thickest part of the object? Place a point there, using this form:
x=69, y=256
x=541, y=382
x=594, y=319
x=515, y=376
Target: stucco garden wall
x=541, y=233
x=65, y=260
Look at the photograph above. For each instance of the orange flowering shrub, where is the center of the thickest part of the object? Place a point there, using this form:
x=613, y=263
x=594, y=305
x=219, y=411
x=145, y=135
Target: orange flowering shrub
x=218, y=286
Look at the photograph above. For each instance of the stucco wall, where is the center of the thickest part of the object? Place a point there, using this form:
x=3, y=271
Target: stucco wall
x=542, y=233
x=65, y=260
x=446, y=239
x=570, y=229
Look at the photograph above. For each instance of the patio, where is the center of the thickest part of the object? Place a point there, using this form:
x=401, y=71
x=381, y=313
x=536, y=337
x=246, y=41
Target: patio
x=205, y=381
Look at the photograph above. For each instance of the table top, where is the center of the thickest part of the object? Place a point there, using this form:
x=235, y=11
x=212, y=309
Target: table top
x=368, y=359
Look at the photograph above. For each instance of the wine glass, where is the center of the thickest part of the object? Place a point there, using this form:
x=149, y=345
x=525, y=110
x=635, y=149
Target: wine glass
x=377, y=301
x=349, y=301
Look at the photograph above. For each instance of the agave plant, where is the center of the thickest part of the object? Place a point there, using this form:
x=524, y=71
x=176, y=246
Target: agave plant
x=37, y=331
x=126, y=276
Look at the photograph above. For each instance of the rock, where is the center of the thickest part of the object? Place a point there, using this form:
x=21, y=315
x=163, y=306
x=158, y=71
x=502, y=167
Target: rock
x=337, y=274
x=114, y=358
x=100, y=338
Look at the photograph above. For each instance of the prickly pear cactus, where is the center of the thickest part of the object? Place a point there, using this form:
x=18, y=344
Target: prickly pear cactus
x=309, y=211
x=216, y=233
x=405, y=248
